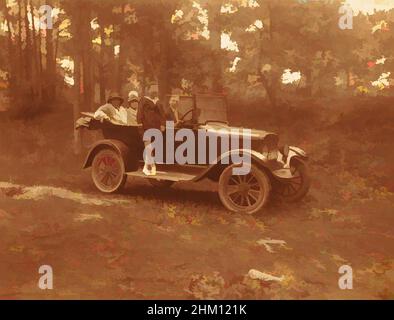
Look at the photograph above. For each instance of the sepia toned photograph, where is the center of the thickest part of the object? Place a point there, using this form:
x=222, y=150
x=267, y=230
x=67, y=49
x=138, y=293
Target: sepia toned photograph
x=196, y=150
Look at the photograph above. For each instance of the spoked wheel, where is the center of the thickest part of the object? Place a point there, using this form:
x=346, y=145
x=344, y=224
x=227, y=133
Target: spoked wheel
x=161, y=183
x=294, y=189
x=108, y=172
x=244, y=193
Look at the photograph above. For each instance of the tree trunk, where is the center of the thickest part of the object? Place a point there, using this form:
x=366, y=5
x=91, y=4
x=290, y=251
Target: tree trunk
x=269, y=89
x=87, y=70
x=101, y=68
x=77, y=83
x=215, y=38
x=163, y=77
x=28, y=49
x=309, y=83
x=50, y=64
x=35, y=63
x=77, y=103
x=144, y=71
x=20, y=50
x=55, y=58
x=122, y=56
x=10, y=43
x=269, y=86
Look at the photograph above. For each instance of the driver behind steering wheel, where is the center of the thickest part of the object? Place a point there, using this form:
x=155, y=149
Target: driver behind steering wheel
x=174, y=112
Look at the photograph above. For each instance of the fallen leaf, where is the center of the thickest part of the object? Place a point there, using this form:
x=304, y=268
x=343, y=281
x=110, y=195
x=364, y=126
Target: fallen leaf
x=86, y=216
x=258, y=275
x=268, y=242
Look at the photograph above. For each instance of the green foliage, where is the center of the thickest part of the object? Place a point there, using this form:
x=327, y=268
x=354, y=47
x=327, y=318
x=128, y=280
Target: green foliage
x=176, y=42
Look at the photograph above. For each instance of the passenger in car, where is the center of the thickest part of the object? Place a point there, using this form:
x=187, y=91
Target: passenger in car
x=174, y=112
x=133, y=101
x=111, y=111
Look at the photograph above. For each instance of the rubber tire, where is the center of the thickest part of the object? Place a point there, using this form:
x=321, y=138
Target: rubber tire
x=122, y=181
x=261, y=177
x=302, y=192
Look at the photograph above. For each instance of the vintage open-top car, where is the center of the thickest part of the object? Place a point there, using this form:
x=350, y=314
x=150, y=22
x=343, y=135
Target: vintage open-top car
x=278, y=172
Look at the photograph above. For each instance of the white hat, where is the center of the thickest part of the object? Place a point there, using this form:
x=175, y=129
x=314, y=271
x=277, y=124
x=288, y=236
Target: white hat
x=133, y=95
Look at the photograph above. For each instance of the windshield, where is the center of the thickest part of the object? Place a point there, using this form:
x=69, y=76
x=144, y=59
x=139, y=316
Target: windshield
x=212, y=108
x=185, y=104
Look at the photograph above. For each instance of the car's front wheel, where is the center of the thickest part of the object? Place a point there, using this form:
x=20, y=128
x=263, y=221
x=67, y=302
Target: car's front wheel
x=295, y=189
x=244, y=193
x=108, y=171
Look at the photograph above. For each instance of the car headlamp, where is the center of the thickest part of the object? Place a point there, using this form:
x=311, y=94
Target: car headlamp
x=285, y=150
x=265, y=151
x=273, y=155
x=270, y=154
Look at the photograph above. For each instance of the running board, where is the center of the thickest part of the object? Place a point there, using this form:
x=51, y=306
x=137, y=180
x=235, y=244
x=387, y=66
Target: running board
x=176, y=174
x=161, y=175
x=190, y=173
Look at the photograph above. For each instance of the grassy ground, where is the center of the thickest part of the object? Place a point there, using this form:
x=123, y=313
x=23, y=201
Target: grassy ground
x=181, y=243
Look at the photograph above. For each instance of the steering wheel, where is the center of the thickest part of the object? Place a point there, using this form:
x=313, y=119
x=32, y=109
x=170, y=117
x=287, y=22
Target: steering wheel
x=216, y=121
x=186, y=114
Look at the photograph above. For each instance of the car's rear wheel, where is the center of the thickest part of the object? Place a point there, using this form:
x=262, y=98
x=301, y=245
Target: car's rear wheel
x=108, y=171
x=294, y=189
x=244, y=193
x=161, y=183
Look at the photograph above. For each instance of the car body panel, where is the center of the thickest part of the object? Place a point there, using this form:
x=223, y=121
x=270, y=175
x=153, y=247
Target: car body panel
x=119, y=146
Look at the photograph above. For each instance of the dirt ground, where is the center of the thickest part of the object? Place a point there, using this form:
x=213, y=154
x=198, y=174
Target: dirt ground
x=180, y=243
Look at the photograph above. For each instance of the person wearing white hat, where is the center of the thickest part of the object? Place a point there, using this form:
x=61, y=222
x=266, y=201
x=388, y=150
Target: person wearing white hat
x=133, y=101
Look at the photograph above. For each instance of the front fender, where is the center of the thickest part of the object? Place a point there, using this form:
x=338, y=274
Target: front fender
x=116, y=145
x=296, y=153
x=215, y=169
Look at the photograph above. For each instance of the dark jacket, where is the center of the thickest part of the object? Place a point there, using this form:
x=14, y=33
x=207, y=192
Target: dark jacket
x=150, y=115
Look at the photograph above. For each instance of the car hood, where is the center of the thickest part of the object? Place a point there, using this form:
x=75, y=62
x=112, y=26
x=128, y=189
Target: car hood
x=255, y=134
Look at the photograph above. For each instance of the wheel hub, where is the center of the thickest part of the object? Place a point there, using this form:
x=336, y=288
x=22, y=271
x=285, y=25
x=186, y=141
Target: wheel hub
x=244, y=188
